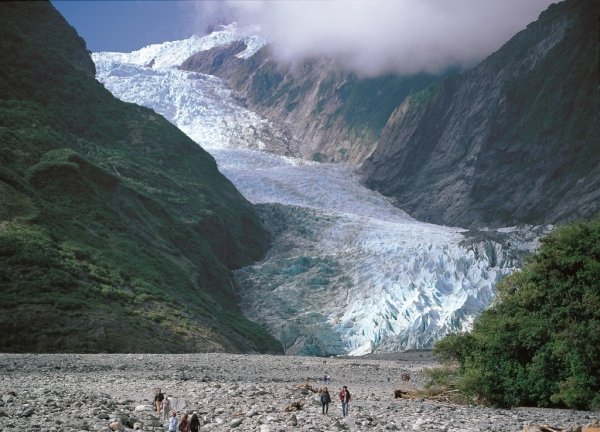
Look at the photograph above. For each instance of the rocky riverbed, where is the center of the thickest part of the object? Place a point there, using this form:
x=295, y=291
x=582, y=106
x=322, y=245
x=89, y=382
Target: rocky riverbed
x=75, y=392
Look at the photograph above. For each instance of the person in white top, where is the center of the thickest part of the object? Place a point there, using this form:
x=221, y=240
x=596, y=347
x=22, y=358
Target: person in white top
x=173, y=422
x=165, y=406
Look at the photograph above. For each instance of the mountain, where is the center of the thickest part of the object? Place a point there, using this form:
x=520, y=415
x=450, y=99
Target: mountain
x=347, y=272
x=327, y=114
x=514, y=140
x=334, y=242
x=117, y=232
x=511, y=141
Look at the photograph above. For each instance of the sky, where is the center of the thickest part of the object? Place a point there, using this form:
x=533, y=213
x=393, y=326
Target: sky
x=367, y=36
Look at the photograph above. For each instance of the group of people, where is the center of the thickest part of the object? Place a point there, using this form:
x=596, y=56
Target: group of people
x=325, y=398
x=162, y=406
x=185, y=424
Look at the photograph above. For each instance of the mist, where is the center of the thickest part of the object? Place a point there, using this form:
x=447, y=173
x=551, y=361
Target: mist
x=380, y=36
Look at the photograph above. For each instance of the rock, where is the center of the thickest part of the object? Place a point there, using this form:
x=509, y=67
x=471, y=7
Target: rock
x=178, y=404
x=235, y=423
x=138, y=426
x=292, y=421
x=27, y=412
x=116, y=426
x=141, y=408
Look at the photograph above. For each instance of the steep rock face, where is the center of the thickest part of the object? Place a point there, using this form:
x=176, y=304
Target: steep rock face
x=514, y=140
x=330, y=115
x=117, y=232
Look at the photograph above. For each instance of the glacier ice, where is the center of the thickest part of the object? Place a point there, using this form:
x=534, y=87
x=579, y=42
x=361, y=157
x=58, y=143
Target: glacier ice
x=348, y=272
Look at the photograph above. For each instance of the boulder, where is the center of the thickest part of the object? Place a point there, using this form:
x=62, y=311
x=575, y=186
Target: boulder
x=116, y=426
x=141, y=408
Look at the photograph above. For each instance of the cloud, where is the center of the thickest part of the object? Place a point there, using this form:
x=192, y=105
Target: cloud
x=377, y=36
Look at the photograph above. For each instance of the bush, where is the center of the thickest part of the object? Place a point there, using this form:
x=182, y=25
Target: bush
x=539, y=344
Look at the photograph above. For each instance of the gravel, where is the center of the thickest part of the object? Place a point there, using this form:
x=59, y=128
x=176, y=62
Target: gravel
x=104, y=392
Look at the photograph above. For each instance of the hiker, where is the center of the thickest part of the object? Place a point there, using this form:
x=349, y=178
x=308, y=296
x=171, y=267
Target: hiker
x=184, y=424
x=194, y=422
x=345, y=399
x=165, y=407
x=158, y=398
x=173, y=422
x=325, y=399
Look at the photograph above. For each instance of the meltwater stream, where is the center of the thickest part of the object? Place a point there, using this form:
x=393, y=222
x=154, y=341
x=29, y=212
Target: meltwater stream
x=347, y=272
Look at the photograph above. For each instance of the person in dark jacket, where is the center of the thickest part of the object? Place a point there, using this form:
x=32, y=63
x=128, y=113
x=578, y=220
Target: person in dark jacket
x=194, y=422
x=325, y=399
x=158, y=398
x=345, y=399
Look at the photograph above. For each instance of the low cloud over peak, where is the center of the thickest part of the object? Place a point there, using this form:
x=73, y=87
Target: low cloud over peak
x=372, y=37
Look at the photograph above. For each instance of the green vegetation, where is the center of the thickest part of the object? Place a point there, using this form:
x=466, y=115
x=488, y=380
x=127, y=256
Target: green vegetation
x=539, y=344
x=117, y=232
x=369, y=102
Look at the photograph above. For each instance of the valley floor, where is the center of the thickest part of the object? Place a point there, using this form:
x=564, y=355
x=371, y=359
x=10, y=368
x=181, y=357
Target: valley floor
x=74, y=392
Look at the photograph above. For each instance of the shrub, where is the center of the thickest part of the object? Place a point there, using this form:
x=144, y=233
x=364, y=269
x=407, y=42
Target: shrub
x=539, y=344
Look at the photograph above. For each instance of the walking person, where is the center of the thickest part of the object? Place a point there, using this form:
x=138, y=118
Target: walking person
x=158, y=398
x=165, y=406
x=173, y=422
x=194, y=422
x=345, y=399
x=325, y=399
x=184, y=424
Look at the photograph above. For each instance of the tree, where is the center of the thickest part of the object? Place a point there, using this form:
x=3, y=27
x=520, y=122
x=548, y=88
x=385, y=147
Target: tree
x=539, y=343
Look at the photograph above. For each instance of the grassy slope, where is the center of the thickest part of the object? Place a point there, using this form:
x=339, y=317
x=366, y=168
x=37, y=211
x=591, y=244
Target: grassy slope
x=116, y=230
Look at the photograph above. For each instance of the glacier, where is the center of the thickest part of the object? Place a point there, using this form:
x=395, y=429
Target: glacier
x=347, y=273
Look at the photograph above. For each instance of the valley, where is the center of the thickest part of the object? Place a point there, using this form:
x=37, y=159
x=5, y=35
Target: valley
x=347, y=271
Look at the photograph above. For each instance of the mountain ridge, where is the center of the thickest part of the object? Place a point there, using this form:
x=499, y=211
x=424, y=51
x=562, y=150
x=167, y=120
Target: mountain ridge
x=120, y=233
x=486, y=147
x=330, y=115
x=479, y=148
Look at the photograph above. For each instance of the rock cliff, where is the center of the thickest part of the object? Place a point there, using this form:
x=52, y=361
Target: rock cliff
x=514, y=140
x=330, y=115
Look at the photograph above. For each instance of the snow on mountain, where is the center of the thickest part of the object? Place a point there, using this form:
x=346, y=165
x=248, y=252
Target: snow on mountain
x=202, y=106
x=348, y=272
x=172, y=54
